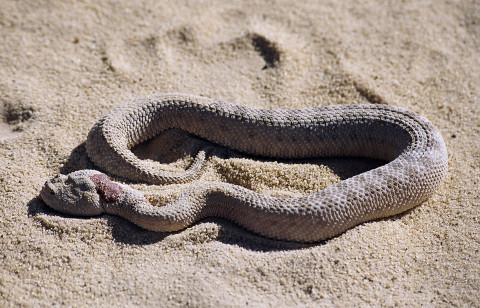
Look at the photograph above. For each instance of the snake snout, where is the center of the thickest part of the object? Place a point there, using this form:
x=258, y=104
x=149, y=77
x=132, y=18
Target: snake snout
x=48, y=189
x=50, y=193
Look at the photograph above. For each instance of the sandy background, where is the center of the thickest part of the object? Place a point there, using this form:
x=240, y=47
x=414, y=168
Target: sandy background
x=65, y=64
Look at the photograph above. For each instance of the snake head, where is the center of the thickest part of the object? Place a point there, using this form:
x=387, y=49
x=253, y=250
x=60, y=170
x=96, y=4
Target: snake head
x=74, y=194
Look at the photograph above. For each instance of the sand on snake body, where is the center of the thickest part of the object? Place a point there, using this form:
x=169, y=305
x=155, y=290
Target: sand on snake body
x=413, y=147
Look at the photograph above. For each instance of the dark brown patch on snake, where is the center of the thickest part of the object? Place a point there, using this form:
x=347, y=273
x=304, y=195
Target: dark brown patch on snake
x=107, y=189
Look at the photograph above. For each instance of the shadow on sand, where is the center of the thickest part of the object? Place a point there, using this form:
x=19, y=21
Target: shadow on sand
x=126, y=232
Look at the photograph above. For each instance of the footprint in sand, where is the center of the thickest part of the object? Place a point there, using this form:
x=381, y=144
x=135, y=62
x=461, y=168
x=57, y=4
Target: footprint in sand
x=14, y=116
x=263, y=61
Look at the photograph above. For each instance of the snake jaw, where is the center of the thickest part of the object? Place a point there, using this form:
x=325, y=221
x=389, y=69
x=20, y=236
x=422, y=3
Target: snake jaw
x=74, y=194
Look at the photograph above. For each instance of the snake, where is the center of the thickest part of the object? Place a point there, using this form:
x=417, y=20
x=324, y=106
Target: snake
x=412, y=148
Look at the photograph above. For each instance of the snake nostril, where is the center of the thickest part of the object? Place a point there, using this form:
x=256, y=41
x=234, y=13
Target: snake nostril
x=50, y=188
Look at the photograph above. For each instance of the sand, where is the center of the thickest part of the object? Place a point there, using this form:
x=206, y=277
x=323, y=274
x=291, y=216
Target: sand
x=65, y=64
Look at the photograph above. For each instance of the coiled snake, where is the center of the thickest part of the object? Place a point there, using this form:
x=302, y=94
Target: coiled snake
x=413, y=147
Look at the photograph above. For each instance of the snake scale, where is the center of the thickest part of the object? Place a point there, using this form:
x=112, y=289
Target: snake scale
x=412, y=146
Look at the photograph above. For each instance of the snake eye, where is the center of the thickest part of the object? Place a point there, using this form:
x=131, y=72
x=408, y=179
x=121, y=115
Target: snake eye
x=52, y=193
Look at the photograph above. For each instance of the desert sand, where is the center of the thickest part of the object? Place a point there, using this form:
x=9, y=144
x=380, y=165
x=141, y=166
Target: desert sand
x=65, y=64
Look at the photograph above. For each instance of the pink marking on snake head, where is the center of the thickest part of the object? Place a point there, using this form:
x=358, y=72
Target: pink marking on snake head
x=108, y=190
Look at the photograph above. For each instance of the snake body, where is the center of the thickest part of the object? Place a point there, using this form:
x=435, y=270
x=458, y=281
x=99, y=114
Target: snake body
x=413, y=147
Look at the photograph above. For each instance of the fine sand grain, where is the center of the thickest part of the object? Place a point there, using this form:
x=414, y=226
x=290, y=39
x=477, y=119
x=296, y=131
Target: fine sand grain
x=65, y=64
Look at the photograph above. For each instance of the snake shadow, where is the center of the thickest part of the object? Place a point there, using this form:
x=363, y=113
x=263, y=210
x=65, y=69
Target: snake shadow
x=227, y=232
x=125, y=232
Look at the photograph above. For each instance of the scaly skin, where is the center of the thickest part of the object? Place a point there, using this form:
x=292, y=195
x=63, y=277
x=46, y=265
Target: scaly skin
x=413, y=147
